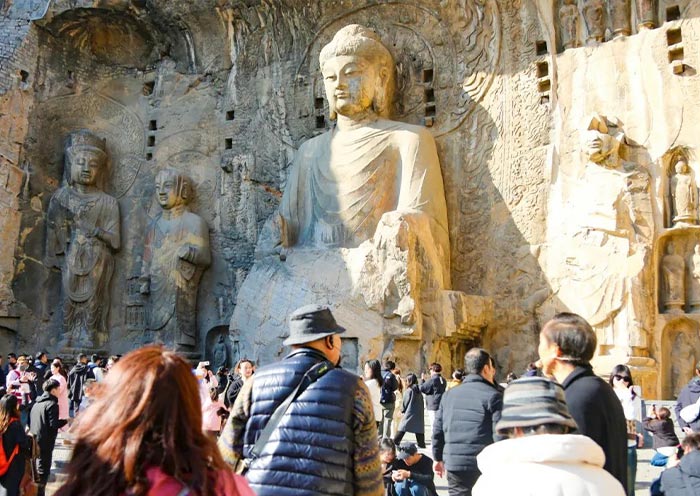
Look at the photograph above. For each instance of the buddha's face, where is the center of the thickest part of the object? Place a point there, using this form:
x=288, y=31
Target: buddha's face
x=85, y=166
x=598, y=145
x=350, y=83
x=166, y=191
x=681, y=167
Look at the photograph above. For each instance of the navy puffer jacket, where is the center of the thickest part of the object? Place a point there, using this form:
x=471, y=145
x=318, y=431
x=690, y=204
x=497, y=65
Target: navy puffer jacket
x=311, y=451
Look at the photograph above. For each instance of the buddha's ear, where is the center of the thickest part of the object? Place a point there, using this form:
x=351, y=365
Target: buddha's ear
x=384, y=75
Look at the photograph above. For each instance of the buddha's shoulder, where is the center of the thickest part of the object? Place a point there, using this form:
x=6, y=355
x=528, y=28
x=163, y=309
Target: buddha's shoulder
x=407, y=132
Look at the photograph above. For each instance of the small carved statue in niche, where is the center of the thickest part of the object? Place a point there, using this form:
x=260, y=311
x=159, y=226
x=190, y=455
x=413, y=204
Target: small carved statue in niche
x=683, y=360
x=82, y=235
x=568, y=24
x=684, y=194
x=620, y=17
x=220, y=353
x=673, y=280
x=176, y=253
x=694, y=280
x=646, y=14
x=594, y=16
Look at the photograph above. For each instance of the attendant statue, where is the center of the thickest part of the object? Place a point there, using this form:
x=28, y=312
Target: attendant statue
x=646, y=14
x=176, y=254
x=594, y=17
x=694, y=280
x=683, y=363
x=620, y=17
x=684, y=193
x=568, y=24
x=220, y=353
x=82, y=236
x=673, y=280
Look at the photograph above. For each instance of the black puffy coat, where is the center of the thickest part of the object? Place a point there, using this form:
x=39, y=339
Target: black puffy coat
x=599, y=415
x=464, y=423
x=76, y=379
x=311, y=451
x=683, y=479
x=433, y=389
x=14, y=436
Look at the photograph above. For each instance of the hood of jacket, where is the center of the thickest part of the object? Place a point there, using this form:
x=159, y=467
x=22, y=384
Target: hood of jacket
x=46, y=397
x=544, y=448
x=79, y=367
x=694, y=385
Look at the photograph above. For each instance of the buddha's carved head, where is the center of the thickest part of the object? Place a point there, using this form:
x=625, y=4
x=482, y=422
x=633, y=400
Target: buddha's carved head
x=172, y=188
x=681, y=167
x=358, y=73
x=603, y=141
x=86, y=157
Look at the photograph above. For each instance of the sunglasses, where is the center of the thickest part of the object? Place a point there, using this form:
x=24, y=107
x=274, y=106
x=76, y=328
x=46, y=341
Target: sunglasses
x=621, y=378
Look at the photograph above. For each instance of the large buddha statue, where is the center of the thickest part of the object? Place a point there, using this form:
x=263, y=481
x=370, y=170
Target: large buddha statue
x=82, y=235
x=363, y=213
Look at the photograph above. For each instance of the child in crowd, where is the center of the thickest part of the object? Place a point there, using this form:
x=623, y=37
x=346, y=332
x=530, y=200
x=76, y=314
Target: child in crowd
x=212, y=412
x=661, y=427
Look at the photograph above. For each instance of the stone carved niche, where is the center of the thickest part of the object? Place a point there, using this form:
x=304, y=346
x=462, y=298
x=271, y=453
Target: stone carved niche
x=681, y=198
x=218, y=348
x=672, y=276
x=680, y=350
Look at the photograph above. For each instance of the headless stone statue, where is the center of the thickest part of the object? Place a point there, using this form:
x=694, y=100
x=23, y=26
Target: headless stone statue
x=684, y=193
x=568, y=22
x=82, y=235
x=683, y=360
x=673, y=280
x=594, y=16
x=694, y=280
x=620, y=17
x=220, y=353
x=646, y=14
x=176, y=253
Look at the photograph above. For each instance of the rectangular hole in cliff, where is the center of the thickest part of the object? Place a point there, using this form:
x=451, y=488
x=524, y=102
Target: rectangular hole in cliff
x=148, y=88
x=544, y=85
x=427, y=75
x=675, y=54
x=542, y=69
x=544, y=99
x=228, y=144
x=151, y=141
x=673, y=13
x=152, y=125
x=24, y=76
x=320, y=122
x=149, y=156
x=430, y=111
x=230, y=115
x=429, y=95
x=318, y=103
x=541, y=47
x=674, y=36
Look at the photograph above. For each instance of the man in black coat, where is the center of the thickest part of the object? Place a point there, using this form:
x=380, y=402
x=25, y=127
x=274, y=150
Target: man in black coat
x=684, y=478
x=44, y=424
x=433, y=389
x=464, y=423
x=76, y=380
x=387, y=398
x=567, y=345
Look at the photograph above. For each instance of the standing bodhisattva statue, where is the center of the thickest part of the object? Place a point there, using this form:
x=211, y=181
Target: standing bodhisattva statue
x=176, y=253
x=82, y=235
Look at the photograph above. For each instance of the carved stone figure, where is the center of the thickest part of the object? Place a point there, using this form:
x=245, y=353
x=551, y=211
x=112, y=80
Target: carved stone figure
x=609, y=278
x=594, y=17
x=673, y=280
x=82, y=235
x=220, y=353
x=620, y=17
x=646, y=14
x=362, y=223
x=694, y=280
x=568, y=24
x=683, y=363
x=684, y=193
x=176, y=253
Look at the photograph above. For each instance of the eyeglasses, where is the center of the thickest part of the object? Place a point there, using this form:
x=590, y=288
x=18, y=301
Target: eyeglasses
x=618, y=377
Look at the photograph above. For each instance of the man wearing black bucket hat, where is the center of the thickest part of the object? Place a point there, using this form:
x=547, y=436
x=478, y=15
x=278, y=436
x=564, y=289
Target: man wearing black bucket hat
x=304, y=426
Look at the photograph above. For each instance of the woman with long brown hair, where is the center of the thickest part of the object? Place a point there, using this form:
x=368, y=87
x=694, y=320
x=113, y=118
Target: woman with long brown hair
x=14, y=443
x=143, y=435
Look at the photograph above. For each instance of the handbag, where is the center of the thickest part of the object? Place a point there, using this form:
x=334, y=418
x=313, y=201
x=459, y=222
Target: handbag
x=691, y=413
x=311, y=376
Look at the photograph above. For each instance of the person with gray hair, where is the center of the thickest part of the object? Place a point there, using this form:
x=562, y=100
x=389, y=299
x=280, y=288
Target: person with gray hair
x=541, y=454
x=464, y=423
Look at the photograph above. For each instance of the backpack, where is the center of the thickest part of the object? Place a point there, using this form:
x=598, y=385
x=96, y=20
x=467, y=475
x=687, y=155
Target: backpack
x=4, y=461
x=388, y=387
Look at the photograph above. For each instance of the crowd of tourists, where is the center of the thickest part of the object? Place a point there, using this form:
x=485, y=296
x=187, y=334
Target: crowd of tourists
x=149, y=424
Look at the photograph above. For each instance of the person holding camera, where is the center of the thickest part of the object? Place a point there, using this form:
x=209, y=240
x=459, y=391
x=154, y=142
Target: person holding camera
x=206, y=379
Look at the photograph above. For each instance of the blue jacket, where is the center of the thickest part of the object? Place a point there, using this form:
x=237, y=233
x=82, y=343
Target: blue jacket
x=464, y=423
x=688, y=395
x=311, y=451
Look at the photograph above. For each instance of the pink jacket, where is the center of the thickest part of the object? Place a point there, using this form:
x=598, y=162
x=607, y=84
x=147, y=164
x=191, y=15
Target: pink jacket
x=210, y=420
x=228, y=484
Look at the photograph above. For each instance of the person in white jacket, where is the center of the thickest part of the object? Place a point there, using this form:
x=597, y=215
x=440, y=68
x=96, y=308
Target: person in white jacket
x=540, y=456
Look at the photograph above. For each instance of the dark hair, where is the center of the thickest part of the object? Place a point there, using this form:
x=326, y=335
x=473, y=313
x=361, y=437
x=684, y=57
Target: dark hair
x=389, y=365
x=411, y=380
x=50, y=385
x=39, y=354
x=81, y=356
x=573, y=335
x=663, y=413
x=147, y=413
x=94, y=358
x=691, y=441
x=458, y=374
x=376, y=369
x=532, y=366
x=11, y=355
x=8, y=411
x=213, y=393
x=436, y=367
x=475, y=360
x=511, y=377
x=387, y=444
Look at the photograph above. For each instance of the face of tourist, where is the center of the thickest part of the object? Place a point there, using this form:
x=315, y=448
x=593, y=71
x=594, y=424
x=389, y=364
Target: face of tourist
x=387, y=456
x=350, y=84
x=85, y=166
x=367, y=371
x=246, y=370
x=165, y=191
x=548, y=354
